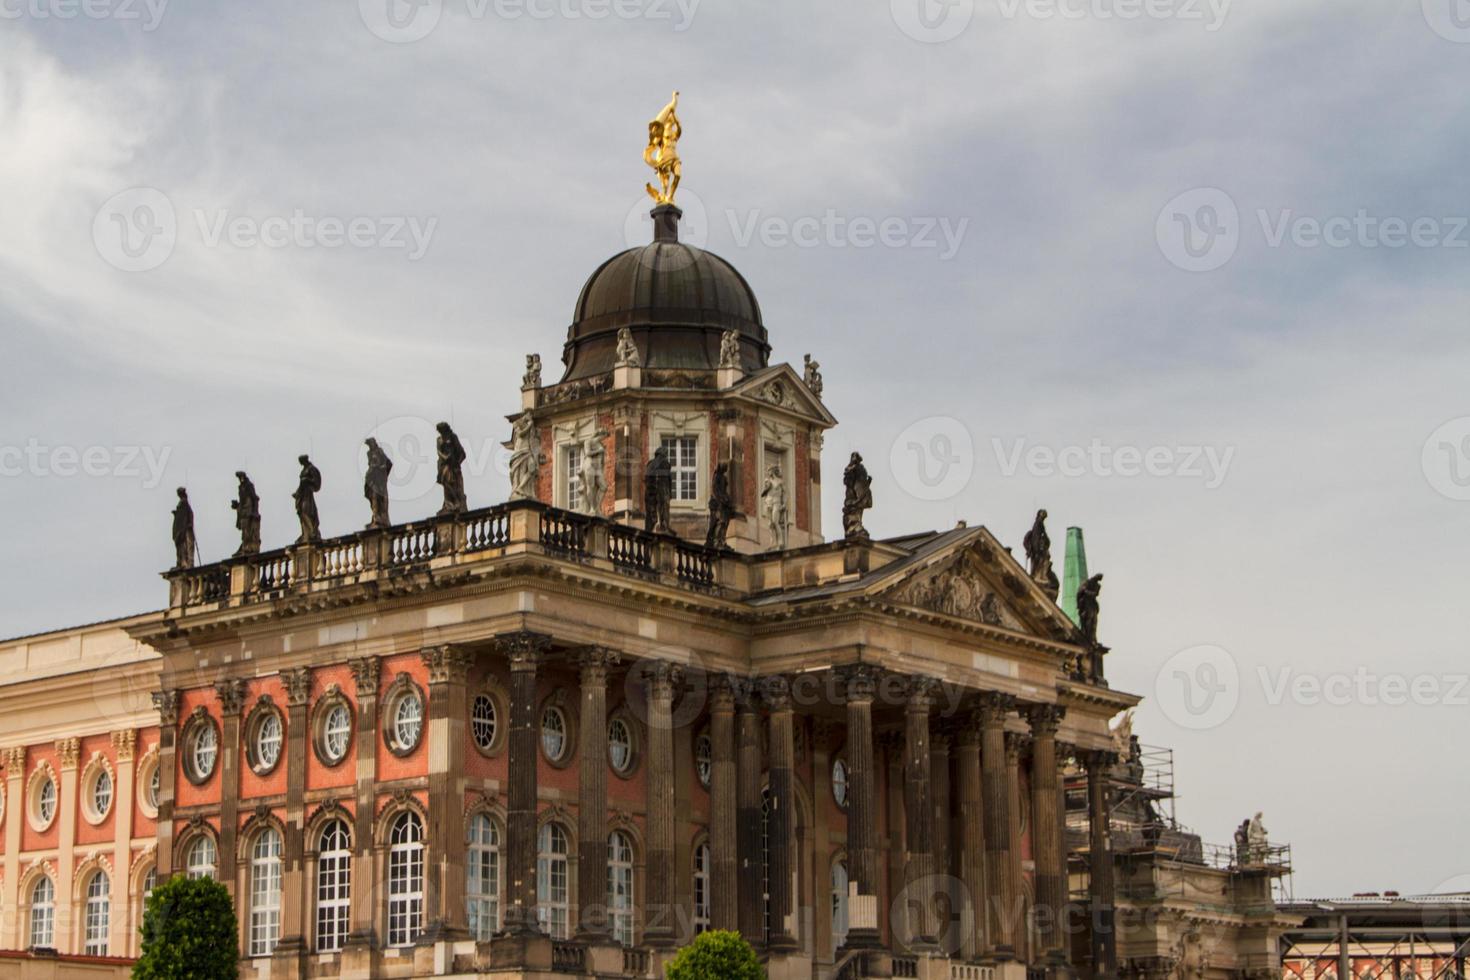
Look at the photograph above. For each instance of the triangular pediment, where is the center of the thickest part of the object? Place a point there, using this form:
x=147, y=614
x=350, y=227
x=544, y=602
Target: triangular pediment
x=781, y=387
x=980, y=581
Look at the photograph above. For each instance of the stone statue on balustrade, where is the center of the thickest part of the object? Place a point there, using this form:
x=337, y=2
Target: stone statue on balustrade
x=451, y=457
x=307, y=486
x=247, y=515
x=591, y=483
x=730, y=350
x=1087, y=608
x=627, y=354
x=532, y=377
x=375, y=484
x=525, y=458
x=185, y=544
x=1243, y=843
x=658, y=490
x=859, y=498
x=1256, y=838
x=812, y=375
x=721, y=508
x=1038, y=554
x=774, y=506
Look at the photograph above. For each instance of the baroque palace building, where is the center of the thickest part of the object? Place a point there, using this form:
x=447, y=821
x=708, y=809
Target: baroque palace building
x=563, y=734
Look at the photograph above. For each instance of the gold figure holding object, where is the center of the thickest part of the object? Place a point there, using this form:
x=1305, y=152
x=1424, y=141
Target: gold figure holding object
x=662, y=153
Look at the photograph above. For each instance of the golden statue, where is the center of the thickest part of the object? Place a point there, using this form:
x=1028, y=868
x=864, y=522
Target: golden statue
x=662, y=153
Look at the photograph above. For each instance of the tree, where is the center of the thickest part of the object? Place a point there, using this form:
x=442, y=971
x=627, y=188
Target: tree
x=189, y=933
x=716, y=956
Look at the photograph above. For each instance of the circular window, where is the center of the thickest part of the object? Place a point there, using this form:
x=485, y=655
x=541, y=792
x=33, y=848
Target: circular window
x=839, y=782
x=267, y=733
x=704, y=759
x=484, y=722
x=405, y=719
x=620, y=746
x=201, y=749
x=99, y=794
x=148, y=784
x=554, y=734
x=333, y=731
x=43, y=802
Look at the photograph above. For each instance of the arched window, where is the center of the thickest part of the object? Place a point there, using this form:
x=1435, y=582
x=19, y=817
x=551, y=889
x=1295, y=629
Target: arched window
x=333, y=886
x=405, y=880
x=265, y=892
x=701, y=889
x=551, y=881
x=620, y=886
x=97, y=916
x=43, y=912
x=839, y=905
x=201, y=860
x=482, y=878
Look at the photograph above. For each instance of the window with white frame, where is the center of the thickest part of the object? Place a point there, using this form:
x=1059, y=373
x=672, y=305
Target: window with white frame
x=483, y=722
x=333, y=887
x=620, y=746
x=839, y=905
x=201, y=860
x=43, y=912
x=704, y=755
x=151, y=787
x=99, y=793
x=265, y=892
x=572, y=457
x=336, y=733
x=683, y=453
x=554, y=734
x=203, y=750
x=266, y=744
x=150, y=882
x=620, y=886
x=97, y=915
x=840, y=782
x=552, y=882
x=405, y=880
x=482, y=878
x=44, y=809
x=701, y=889
x=408, y=720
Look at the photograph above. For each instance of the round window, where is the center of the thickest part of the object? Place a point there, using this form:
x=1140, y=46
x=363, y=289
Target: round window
x=839, y=783
x=620, y=745
x=554, y=734
x=483, y=722
x=336, y=733
x=101, y=793
x=45, y=802
x=265, y=744
x=704, y=756
x=408, y=721
x=203, y=750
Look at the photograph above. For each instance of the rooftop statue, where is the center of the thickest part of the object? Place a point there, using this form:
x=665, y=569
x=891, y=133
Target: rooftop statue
x=184, y=543
x=627, y=351
x=730, y=350
x=1087, y=608
x=525, y=458
x=375, y=484
x=1038, y=552
x=721, y=508
x=247, y=515
x=812, y=375
x=307, y=486
x=662, y=152
x=859, y=498
x=450, y=475
x=658, y=488
x=532, y=377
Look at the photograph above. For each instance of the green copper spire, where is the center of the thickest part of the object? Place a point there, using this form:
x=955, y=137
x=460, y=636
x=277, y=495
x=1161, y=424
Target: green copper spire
x=1074, y=573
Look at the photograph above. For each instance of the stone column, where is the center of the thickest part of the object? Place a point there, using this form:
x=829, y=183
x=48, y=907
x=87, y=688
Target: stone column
x=167, y=704
x=862, y=785
x=360, y=937
x=919, y=814
x=293, y=879
x=781, y=823
x=231, y=694
x=972, y=842
x=121, y=925
x=1016, y=746
x=999, y=902
x=592, y=924
x=663, y=678
x=67, y=750
x=1104, y=943
x=15, y=768
x=1046, y=830
x=444, y=908
x=939, y=746
x=524, y=651
x=748, y=808
x=724, y=891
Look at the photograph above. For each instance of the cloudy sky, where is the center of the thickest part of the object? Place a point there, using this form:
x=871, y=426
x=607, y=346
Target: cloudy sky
x=1191, y=275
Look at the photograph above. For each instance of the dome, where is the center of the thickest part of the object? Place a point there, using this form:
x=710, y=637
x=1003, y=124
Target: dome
x=677, y=300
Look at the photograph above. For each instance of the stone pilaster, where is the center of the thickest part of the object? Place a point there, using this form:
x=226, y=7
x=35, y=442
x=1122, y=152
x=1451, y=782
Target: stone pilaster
x=448, y=710
x=663, y=679
x=67, y=750
x=972, y=840
x=995, y=791
x=919, y=814
x=724, y=890
x=748, y=808
x=366, y=673
x=124, y=749
x=862, y=785
x=781, y=824
x=231, y=693
x=14, y=759
x=939, y=749
x=293, y=880
x=1101, y=899
x=167, y=704
x=524, y=650
x=592, y=924
x=1046, y=830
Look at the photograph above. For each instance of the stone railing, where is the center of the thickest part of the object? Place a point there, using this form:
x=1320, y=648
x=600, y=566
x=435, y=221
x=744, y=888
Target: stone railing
x=520, y=527
x=905, y=966
x=635, y=961
x=971, y=971
x=568, y=957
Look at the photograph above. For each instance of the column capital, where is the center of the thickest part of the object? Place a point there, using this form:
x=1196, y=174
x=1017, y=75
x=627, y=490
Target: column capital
x=595, y=661
x=1066, y=754
x=366, y=671
x=1016, y=744
x=663, y=679
x=447, y=663
x=776, y=691
x=166, y=703
x=920, y=693
x=721, y=693
x=231, y=693
x=993, y=707
x=970, y=733
x=15, y=761
x=1097, y=761
x=1044, y=719
x=940, y=739
x=523, y=648
x=125, y=743
x=298, y=686
x=67, y=750
x=860, y=681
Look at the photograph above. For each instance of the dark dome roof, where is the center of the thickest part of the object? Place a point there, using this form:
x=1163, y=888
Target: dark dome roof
x=677, y=300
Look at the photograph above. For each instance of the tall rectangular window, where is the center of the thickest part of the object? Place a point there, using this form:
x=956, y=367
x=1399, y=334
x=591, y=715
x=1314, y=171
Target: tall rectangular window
x=333, y=887
x=574, y=477
x=265, y=893
x=683, y=452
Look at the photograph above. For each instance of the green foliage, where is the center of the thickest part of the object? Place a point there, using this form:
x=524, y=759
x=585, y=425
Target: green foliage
x=189, y=933
x=716, y=956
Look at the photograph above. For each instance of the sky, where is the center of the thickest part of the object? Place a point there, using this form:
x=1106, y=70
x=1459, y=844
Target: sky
x=1189, y=274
